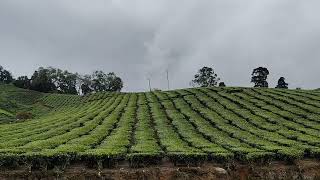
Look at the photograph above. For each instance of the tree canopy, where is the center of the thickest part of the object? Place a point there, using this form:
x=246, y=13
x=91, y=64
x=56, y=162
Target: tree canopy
x=5, y=76
x=99, y=81
x=65, y=82
x=23, y=82
x=222, y=84
x=282, y=83
x=206, y=77
x=259, y=77
x=61, y=81
x=42, y=80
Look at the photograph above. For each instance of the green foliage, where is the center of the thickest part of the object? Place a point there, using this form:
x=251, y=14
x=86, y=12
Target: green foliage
x=222, y=84
x=23, y=82
x=24, y=115
x=187, y=126
x=282, y=83
x=6, y=113
x=54, y=80
x=5, y=76
x=42, y=80
x=98, y=81
x=259, y=77
x=206, y=77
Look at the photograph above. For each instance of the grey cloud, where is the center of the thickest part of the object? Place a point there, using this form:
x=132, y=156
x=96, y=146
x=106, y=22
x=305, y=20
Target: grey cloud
x=140, y=39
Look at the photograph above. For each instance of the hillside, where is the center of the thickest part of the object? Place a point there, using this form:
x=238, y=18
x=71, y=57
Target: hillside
x=184, y=126
x=15, y=100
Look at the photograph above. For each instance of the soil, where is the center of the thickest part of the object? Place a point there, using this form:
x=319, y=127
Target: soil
x=302, y=169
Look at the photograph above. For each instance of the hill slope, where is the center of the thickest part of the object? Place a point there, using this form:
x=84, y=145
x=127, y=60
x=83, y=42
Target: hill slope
x=188, y=125
x=14, y=100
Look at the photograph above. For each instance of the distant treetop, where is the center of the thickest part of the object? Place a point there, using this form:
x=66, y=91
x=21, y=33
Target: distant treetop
x=259, y=77
x=222, y=84
x=206, y=77
x=282, y=83
x=61, y=81
x=5, y=76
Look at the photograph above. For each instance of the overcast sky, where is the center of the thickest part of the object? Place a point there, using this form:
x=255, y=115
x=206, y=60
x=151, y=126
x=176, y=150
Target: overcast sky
x=140, y=39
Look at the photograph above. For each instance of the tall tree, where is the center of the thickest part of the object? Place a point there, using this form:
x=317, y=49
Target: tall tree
x=99, y=81
x=23, y=82
x=86, y=84
x=259, y=77
x=55, y=80
x=61, y=81
x=5, y=76
x=282, y=83
x=114, y=83
x=42, y=81
x=206, y=77
x=222, y=84
x=65, y=81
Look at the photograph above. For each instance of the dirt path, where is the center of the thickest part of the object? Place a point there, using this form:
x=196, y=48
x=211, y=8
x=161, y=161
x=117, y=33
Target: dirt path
x=303, y=169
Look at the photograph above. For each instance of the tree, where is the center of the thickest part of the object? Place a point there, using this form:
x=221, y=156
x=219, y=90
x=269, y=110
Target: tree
x=206, y=77
x=86, y=84
x=41, y=80
x=100, y=81
x=222, y=84
x=66, y=82
x=22, y=82
x=61, y=81
x=114, y=83
x=282, y=83
x=259, y=77
x=106, y=82
x=55, y=80
x=5, y=76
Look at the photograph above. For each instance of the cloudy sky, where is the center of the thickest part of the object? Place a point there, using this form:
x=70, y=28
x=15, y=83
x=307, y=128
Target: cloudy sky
x=140, y=39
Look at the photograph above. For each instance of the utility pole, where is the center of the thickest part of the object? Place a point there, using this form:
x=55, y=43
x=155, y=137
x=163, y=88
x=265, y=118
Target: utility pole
x=149, y=84
x=168, y=79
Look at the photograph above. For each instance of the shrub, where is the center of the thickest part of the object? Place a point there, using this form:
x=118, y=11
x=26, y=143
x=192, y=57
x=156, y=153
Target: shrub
x=24, y=115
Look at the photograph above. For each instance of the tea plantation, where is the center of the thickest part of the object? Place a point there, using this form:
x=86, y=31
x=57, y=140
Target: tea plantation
x=187, y=125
